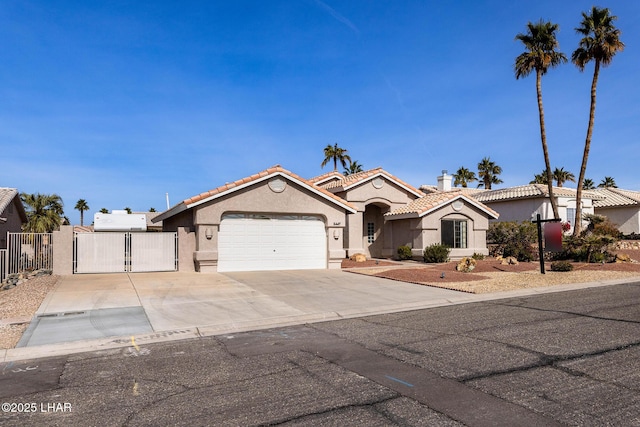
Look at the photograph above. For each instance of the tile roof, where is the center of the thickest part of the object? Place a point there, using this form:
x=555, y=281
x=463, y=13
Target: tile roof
x=430, y=202
x=354, y=179
x=530, y=191
x=244, y=182
x=615, y=197
x=427, y=188
x=6, y=197
x=325, y=177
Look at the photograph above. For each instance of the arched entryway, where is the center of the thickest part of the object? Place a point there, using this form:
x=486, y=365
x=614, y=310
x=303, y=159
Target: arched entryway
x=374, y=229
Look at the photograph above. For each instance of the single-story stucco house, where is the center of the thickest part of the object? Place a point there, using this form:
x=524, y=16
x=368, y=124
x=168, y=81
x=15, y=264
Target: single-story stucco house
x=12, y=214
x=523, y=203
x=622, y=207
x=276, y=219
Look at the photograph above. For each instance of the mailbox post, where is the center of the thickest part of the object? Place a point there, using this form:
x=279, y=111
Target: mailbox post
x=551, y=236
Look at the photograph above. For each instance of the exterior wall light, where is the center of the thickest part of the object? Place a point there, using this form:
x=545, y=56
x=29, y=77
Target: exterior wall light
x=208, y=234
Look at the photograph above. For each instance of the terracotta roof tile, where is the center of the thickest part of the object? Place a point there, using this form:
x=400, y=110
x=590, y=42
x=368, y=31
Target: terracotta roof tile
x=328, y=175
x=356, y=178
x=530, y=191
x=434, y=200
x=257, y=176
x=615, y=197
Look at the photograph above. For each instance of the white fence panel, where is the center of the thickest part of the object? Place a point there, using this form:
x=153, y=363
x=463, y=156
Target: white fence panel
x=100, y=252
x=3, y=264
x=153, y=252
x=28, y=252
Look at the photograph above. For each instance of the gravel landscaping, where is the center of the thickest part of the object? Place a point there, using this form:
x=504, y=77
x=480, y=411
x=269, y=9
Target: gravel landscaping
x=18, y=306
x=491, y=276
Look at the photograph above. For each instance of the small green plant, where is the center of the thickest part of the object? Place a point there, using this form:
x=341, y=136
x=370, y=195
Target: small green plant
x=404, y=252
x=477, y=256
x=561, y=266
x=436, y=253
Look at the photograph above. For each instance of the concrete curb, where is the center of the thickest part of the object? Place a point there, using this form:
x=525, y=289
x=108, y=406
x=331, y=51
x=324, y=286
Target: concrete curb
x=135, y=342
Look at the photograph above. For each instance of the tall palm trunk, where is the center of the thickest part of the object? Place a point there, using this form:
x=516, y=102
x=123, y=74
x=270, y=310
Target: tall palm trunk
x=577, y=228
x=545, y=149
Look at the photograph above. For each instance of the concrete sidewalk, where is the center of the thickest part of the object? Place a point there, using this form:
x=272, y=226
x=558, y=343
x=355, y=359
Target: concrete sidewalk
x=103, y=311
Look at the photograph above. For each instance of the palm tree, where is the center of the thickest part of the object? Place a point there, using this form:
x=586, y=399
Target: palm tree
x=540, y=43
x=152, y=209
x=463, y=177
x=561, y=176
x=337, y=154
x=44, y=212
x=608, y=182
x=488, y=172
x=588, y=184
x=129, y=211
x=354, y=167
x=104, y=210
x=82, y=206
x=540, y=178
x=600, y=43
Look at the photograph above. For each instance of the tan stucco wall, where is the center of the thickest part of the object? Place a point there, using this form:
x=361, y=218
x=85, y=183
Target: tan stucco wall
x=626, y=218
x=186, y=248
x=420, y=233
x=390, y=196
x=63, y=250
x=259, y=198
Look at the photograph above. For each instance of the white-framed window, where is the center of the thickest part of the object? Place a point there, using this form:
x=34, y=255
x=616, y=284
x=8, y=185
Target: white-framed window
x=454, y=233
x=571, y=215
x=371, y=232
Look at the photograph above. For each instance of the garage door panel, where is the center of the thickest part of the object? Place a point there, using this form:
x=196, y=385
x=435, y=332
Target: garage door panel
x=274, y=243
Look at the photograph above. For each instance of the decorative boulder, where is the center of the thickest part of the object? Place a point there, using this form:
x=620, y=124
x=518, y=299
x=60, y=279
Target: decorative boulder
x=509, y=261
x=623, y=258
x=466, y=265
x=358, y=257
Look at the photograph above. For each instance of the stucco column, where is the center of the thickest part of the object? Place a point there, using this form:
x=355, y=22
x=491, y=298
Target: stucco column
x=63, y=251
x=335, y=238
x=354, y=226
x=186, y=248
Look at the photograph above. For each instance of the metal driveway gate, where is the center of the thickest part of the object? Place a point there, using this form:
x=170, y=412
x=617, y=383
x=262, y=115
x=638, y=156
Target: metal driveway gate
x=114, y=252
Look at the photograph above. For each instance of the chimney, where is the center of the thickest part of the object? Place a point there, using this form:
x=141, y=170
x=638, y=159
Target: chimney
x=444, y=181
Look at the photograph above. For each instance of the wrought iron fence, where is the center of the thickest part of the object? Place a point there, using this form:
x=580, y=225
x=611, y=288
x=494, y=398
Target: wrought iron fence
x=28, y=252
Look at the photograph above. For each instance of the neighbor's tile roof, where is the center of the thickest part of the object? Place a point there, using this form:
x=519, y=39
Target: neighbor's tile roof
x=614, y=197
x=6, y=196
x=530, y=191
x=356, y=178
x=257, y=176
x=436, y=200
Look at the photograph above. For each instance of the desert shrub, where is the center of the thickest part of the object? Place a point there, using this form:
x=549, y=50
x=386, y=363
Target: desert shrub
x=594, y=244
x=510, y=238
x=404, y=252
x=477, y=256
x=436, y=253
x=561, y=266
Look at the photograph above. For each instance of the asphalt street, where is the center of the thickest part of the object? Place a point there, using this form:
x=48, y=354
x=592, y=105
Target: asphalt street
x=567, y=358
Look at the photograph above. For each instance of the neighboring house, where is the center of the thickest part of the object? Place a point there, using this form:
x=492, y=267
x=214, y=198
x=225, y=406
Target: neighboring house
x=12, y=214
x=524, y=202
x=277, y=220
x=622, y=207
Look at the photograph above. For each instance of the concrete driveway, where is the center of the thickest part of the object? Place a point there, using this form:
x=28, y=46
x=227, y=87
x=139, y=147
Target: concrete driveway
x=95, y=306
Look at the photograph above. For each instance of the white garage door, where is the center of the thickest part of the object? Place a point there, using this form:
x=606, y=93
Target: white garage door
x=248, y=242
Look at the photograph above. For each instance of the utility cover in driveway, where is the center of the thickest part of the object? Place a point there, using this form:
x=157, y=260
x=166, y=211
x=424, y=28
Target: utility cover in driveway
x=253, y=242
x=85, y=325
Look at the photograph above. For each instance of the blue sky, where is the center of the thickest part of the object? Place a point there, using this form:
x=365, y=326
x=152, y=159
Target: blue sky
x=120, y=102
